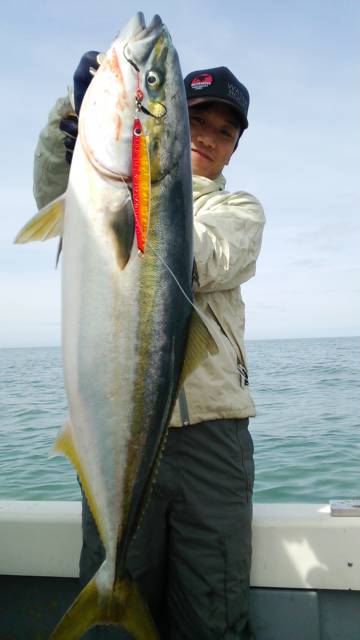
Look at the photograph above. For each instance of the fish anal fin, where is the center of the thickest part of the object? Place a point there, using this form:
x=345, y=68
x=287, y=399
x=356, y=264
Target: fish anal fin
x=98, y=605
x=65, y=445
x=47, y=223
x=200, y=345
x=122, y=226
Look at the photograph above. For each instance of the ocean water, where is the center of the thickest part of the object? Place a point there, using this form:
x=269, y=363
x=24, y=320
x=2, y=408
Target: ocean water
x=306, y=432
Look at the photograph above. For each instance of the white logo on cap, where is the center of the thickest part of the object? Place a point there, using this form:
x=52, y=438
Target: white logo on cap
x=235, y=94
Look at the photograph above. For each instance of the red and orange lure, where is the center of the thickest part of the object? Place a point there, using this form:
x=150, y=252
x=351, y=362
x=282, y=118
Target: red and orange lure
x=141, y=180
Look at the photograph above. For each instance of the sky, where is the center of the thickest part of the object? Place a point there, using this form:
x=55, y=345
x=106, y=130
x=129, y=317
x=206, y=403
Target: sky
x=300, y=155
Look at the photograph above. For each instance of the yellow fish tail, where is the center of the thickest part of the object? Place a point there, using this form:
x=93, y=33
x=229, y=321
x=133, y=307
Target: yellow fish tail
x=121, y=606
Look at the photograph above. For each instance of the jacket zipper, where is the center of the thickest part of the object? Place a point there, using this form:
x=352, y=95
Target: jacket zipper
x=240, y=360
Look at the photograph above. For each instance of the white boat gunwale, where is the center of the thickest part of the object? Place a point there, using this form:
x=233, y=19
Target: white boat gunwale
x=295, y=545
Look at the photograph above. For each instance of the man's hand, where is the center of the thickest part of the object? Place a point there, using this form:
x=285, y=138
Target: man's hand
x=83, y=75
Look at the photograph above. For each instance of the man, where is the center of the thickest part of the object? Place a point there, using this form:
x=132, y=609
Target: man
x=192, y=556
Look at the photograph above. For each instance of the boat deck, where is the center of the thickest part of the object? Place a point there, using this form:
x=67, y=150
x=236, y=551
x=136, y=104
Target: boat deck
x=305, y=575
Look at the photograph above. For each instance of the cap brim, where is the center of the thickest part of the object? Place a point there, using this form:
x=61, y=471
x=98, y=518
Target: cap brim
x=193, y=101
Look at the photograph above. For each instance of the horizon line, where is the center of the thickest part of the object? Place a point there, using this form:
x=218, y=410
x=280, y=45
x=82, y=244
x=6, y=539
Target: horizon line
x=59, y=346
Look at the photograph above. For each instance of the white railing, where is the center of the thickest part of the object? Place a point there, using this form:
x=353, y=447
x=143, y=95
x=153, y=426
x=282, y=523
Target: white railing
x=294, y=545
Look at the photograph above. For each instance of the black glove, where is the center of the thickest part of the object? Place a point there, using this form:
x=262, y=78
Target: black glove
x=82, y=79
x=69, y=125
x=83, y=76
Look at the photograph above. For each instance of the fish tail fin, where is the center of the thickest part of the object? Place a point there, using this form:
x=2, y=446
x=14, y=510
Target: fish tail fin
x=120, y=606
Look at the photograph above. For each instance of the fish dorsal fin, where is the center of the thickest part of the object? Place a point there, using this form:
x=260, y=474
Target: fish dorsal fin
x=64, y=445
x=122, y=226
x=46, y=224
x=200, y=345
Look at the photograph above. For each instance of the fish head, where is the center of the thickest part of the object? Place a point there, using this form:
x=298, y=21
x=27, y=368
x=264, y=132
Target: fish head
x=141, y=58
x=167, y=127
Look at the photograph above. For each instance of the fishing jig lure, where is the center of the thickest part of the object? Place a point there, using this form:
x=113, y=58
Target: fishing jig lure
x=141, y=184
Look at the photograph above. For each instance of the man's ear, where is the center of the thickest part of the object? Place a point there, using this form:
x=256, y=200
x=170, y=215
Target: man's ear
x=237, y=141
x=232, y=153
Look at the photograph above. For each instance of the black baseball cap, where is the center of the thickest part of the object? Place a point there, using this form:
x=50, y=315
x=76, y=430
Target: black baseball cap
x=218, y=85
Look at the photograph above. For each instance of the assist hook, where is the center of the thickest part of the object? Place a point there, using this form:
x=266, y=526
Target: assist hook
x=139, y=95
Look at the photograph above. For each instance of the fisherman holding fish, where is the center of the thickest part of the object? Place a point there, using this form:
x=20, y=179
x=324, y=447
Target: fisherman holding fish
x=192, y=553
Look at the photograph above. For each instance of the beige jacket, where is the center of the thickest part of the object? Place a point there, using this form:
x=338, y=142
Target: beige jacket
x=227, y=239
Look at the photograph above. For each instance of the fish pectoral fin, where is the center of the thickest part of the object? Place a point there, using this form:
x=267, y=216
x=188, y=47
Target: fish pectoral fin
x=120, y=606
x=46, y=224
x=122, y=225
x=64, y=445
x=200, y=345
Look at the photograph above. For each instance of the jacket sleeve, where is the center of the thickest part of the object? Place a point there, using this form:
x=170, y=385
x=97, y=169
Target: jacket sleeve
x=51, y=171
x=227, y=240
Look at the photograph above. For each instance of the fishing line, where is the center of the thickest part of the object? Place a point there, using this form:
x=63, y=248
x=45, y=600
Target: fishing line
x=151, y=247
x=149, y=244
x=153, y=250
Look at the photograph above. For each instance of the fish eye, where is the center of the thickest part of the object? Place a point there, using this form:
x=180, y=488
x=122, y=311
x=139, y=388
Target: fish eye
x=153, y=79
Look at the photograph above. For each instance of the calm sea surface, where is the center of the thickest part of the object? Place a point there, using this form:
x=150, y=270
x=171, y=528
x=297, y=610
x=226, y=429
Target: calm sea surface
x=306, y=433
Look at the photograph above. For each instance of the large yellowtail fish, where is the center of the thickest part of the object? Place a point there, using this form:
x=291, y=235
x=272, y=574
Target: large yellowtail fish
x=127, y=315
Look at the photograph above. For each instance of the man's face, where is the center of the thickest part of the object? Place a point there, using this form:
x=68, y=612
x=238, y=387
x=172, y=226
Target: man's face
x=214, y=132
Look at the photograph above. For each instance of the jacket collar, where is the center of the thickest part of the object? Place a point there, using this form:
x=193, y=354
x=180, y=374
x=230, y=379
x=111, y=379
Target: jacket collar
x=202, y=186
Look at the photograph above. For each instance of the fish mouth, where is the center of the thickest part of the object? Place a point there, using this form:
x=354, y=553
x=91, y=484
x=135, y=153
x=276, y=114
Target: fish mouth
x=140, y=39
x=134, y=44
x=137, y=27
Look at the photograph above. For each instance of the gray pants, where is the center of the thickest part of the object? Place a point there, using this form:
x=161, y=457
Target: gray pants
x=191, y=558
